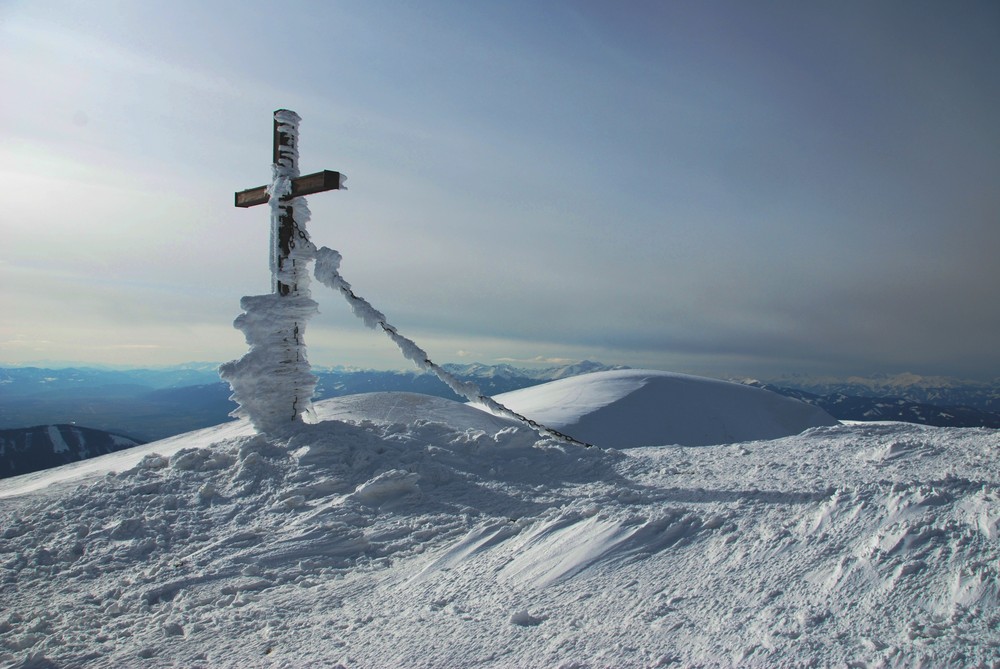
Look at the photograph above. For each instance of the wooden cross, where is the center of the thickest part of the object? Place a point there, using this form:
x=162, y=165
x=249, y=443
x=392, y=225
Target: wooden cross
x=304, y=185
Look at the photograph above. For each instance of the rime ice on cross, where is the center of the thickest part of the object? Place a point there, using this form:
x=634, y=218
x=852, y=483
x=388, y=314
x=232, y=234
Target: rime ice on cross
x=291, y=185
x=273, y=383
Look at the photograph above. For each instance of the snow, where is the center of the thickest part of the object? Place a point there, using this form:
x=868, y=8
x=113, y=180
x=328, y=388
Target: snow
x=398, y=407
x=427, y=533
x=628, y=408
x=59, y=444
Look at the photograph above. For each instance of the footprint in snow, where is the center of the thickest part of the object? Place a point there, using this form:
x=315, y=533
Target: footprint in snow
x=525, y=619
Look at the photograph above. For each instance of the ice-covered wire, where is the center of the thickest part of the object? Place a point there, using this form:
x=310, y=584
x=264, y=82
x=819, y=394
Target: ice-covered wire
x=327, y=272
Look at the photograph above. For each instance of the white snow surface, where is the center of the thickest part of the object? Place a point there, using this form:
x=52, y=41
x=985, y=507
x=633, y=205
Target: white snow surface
x=426, y=533
x=627, y=408
x=59, y=444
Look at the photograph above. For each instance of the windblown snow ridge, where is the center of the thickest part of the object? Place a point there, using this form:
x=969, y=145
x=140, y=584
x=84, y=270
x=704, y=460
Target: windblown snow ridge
x=437, y=543
x=629, y=408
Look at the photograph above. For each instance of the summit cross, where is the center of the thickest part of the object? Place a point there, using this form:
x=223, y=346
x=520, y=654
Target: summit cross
x=286, y=161
x=272, y=382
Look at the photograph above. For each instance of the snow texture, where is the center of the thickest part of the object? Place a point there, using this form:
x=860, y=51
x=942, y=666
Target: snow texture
x=452, y=542
x=273, y=383
x=628, y=408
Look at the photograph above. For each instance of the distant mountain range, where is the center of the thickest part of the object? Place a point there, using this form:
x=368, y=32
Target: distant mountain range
x=142, y=404
x=910, y=398
x=935, y=390
x=32, y=449
x=154, y=404
x=149, y=404
x=492, y=379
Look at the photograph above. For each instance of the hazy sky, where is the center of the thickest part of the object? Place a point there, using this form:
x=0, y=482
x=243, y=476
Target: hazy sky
x=715, y=187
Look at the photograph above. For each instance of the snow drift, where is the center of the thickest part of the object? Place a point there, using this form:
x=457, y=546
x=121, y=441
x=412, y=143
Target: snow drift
x=387, y=408
x=628, y=408
x=423, y=535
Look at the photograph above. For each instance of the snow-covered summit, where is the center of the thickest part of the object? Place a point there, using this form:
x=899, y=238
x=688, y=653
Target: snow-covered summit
x=628, y=408
x=426, y=533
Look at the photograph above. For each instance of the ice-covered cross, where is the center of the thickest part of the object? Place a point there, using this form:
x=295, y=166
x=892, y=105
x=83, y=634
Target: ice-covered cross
x=273, y=383
x=286, y=174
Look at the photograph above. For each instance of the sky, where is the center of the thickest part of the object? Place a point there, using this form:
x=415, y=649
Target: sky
x=751, y=188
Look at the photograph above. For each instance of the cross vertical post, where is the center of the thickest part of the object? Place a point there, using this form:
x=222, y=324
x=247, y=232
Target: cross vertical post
x=272, y=382
x=286, y=156
x=285, y=159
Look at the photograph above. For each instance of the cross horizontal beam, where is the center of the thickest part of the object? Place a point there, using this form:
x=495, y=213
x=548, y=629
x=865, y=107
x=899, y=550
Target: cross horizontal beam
x=305, y=185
